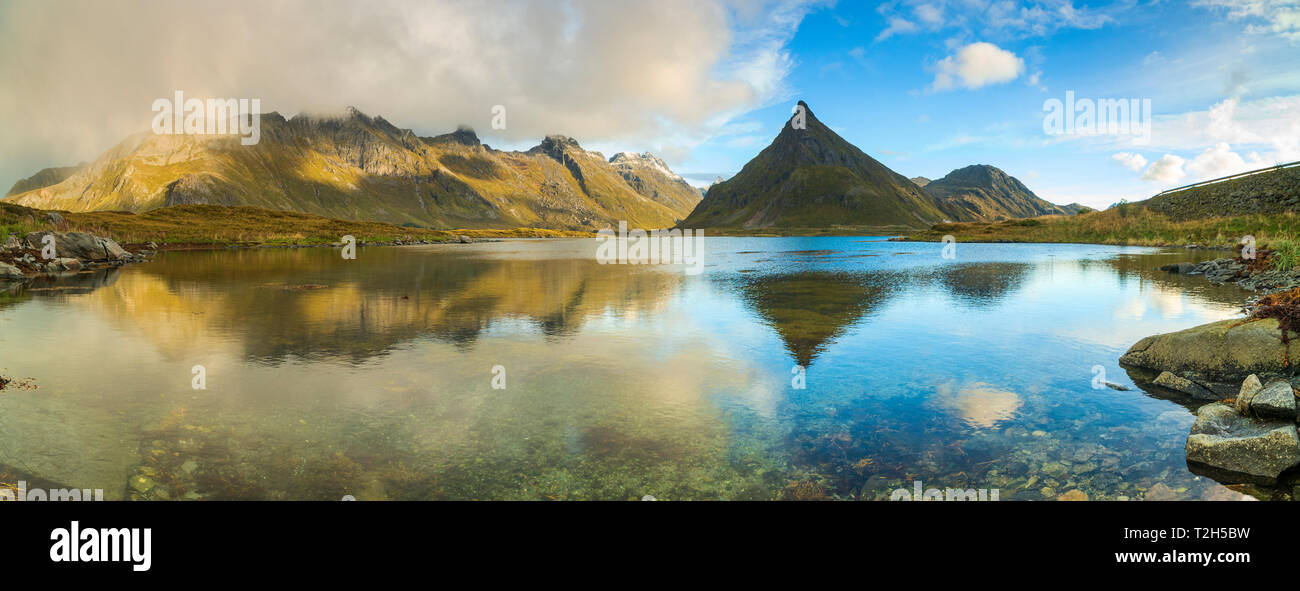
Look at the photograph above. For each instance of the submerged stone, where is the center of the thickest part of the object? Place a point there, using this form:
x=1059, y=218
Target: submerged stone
x=1185, y=386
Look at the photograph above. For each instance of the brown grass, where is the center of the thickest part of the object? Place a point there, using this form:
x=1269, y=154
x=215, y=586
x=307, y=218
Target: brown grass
x=212, y=225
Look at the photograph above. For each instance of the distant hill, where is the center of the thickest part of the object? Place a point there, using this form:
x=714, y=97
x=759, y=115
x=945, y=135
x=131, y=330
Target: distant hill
x=810, y=178
x=985, y=193
x=920, y=181
x=44, y=178
x=358, y=167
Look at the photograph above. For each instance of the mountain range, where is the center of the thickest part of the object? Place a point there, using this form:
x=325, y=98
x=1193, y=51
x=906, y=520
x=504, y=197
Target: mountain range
x=811, y=177
x=359, y=167
x=354, y=166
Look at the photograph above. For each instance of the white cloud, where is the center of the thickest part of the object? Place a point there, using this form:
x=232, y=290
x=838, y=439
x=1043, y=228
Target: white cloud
x=1035, y=80
x=1279, y=17
x=1220, y=160
x=897, y=25
x=930, y=14
x=1000, y=19
x=1272, y=125
x=1168, y=169
x=977, y=65
x=636, y=74
x=1130, y=160
x=1267, y=127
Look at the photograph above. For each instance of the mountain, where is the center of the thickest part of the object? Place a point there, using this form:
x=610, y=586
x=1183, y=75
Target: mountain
x=920, y=181
x=358, y=167
x=44, y=178
x=812, y=177
x=983, y=193
x=650, y=176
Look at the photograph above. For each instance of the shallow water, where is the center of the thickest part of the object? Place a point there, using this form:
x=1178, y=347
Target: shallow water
x=374, y=377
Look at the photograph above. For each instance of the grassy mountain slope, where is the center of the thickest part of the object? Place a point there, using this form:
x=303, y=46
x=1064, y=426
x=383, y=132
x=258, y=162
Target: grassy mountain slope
x=1265, y=206
x=985, y=193
x=812, y=178
x=1275, y=191
x=362, y=168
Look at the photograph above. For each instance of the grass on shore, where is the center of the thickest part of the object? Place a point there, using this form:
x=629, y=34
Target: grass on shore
x=1132, y=224
x=198, y=225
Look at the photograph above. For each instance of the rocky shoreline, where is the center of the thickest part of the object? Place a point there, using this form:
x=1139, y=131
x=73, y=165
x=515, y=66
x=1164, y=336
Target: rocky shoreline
x=73, y=252
x=21, y=259
x=1237, y=375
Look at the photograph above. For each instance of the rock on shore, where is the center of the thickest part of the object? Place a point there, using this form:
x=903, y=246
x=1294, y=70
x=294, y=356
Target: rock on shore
x=1257, y=445
x=1214, y=358
x=74, y=252
x=1238, y=271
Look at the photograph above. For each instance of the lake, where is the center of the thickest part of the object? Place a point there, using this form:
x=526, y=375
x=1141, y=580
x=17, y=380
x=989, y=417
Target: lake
x=790, y=368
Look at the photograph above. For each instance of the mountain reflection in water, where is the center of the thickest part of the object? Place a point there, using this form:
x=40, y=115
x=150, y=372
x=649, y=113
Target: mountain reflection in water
x=374, y=377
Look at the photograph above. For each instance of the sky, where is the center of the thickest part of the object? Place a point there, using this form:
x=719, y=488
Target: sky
x=924, y=86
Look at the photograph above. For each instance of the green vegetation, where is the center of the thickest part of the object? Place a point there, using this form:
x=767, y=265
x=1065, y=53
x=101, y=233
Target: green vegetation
x=1285, y=255
x=214, y=225
x=16, y=220
x=1129, y=224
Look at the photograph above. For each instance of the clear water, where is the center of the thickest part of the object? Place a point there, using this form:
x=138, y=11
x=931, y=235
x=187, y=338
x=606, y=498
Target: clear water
x=374, y=377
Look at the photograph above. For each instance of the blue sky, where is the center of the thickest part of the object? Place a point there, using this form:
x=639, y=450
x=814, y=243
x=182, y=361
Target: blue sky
x=878, y=91
x=925, y=86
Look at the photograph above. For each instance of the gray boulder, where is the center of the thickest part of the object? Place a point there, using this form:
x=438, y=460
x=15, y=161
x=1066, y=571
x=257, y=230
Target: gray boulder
x=1249, y=389
x=10, y=273
x=1218, y=355
x=12, y=243
x=1232, y=444
x=1274, y=401
x=80, y=245
x=1185, y=386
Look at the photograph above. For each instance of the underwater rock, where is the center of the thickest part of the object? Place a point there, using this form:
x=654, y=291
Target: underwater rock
x=142, y=483
x=1185, y=386
x=1160, y=492
x=1238, y=447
